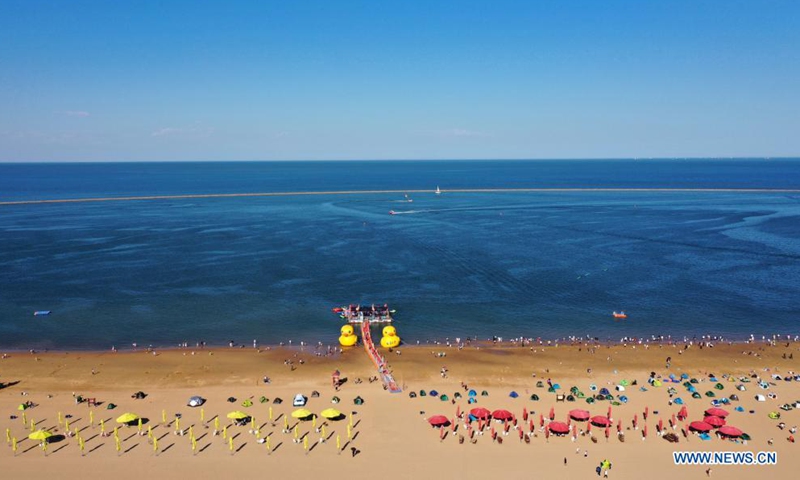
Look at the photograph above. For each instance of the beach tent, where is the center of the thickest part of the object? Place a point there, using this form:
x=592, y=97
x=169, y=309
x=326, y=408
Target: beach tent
x=593, y=387
x=111, y=406
x=696, y=395
x=22, y=406
x=484, y=393
x=573, y=390
x=535, y=397
x=570, y=398
x=678, y=401
x=589, y=400
x=277, y=401
x=556, y=386
x=739, y=409
x=337, y=399
x=196, y=401
x=139, y=395
x=761, y=398
x=623, y=399
x=315, y=394
x=444, y=398
x=719, y=386
x=423, y=393
x=263, y=399
x=247, y=403
x=472, y=400
x=358, y=401
x=457, y=395
x=231, y=399
x=624, y=383
x=539, y=384
x=741, y=388
x=433, y=393
x=299, y=400
x=472, y=393
x=412, y=395
x=774, y=415
x=513, y=394
x=620, y=388
x=694, y=380
x=604, y=391
x=657, y=383
x=710, y=394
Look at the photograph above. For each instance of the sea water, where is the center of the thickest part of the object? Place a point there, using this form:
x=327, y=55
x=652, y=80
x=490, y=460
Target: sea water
x=541, y=264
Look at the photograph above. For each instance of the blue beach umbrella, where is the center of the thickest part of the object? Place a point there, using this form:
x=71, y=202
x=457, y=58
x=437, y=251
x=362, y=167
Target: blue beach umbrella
x=473, y=393
x=513, y=394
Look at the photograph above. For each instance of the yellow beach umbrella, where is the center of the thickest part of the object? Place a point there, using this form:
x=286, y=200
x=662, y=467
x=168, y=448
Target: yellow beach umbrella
x=331, y=413
x=301, y=413
x=127, y=418
x=237, y=415
x=40, y=435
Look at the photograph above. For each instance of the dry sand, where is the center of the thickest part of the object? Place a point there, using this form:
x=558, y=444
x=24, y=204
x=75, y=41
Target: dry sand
x=391, y=431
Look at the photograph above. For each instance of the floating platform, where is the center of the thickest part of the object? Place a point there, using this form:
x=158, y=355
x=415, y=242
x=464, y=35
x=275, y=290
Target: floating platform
x=365, y=313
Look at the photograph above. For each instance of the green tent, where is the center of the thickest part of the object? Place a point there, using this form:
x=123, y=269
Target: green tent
x=573, y=390
x=247, y=403
x=484, y=393
x=694, y=380
x=444, y=398
x=422, y=393
x=589, y=400
x=774, y=415
x=624, y=383
x=719, y=386
x=358, y=401
x=580, y=395
x=710, y=394
x=263, y=399
x=696, y=395
x=535, y=397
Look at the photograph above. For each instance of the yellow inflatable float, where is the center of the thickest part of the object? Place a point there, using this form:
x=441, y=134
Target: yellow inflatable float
x=348, y=338
x=390, y=338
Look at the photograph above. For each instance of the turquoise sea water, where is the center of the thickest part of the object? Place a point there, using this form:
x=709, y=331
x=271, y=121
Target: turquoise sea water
x=547, y=265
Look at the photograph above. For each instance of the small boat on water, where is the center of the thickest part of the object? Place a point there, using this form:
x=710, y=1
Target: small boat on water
x=392, y=212
x=438, y=192
x=620, y=315
x=40, y=313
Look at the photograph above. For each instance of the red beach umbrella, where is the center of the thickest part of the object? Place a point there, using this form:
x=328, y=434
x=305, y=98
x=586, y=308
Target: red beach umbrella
x=438, y=420
x=717, y=412
x=635, y=420
x=525, y=414
x=715, y=422
x=453, y=425
x=619, y=426
x=700, y=426
x=480, y=413
x=729, y=431
x=646, y=411
x=607, y=433
x=609, y=412
x=660, y=424
x=588, y=428
x=546, y=433
x=521, y=434
x=541, y=420
x=552, y=413
x=673, y=419
x=600, y=421
x=458, y=411
x=558, y=427
x=579, y=415
x=644, y=431
x=530, y=424
x=502, y=415
x=575, y=430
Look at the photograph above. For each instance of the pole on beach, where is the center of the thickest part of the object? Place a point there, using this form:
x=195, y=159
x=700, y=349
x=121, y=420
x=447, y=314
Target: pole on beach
x=191, y=431
x=91, y=418
x=33, y=425
x=305, y=444
x=139, y=426
x=295, y=434
x=150, y=432
x=216, y=425
x=82, y=446
x=177, y=425
x=202, y=415
x=322, y=437
x=349, y=432
x=44, y=447
x=164, y=417
x=66, y=424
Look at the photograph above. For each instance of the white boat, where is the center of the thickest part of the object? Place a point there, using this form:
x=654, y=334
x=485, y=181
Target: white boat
x=438, y=192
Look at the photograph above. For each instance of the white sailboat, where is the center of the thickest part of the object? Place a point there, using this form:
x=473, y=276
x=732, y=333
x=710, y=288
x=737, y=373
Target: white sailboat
x=438, y=192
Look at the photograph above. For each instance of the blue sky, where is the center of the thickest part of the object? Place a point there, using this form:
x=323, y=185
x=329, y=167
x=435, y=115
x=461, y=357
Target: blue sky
x=244, y=80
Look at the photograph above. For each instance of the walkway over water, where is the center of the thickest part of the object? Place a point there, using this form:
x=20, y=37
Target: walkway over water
x=379, y=361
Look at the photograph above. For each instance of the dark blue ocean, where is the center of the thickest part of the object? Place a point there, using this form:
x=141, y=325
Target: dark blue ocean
x=459, y=264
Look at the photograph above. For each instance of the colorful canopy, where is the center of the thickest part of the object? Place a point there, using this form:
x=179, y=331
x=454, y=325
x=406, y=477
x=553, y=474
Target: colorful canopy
x=700, y=426
x=729, y=431
x=558, y=427
x=480, y=413
x=438, y=420
x=600, y=421
x=580, y=415
x=40, y=435
x=238, y=415
x=717, y=412
x=330, y=413
x=502, y=415
x=127, y=418
x=714, y=421
x=301, y=413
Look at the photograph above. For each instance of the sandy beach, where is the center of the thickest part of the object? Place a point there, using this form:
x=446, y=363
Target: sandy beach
x=390, y=432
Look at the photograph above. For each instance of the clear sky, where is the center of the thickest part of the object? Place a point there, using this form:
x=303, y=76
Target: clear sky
x=338, y=79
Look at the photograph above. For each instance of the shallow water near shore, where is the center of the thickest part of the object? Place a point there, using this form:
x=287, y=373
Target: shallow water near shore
x=459, y=264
